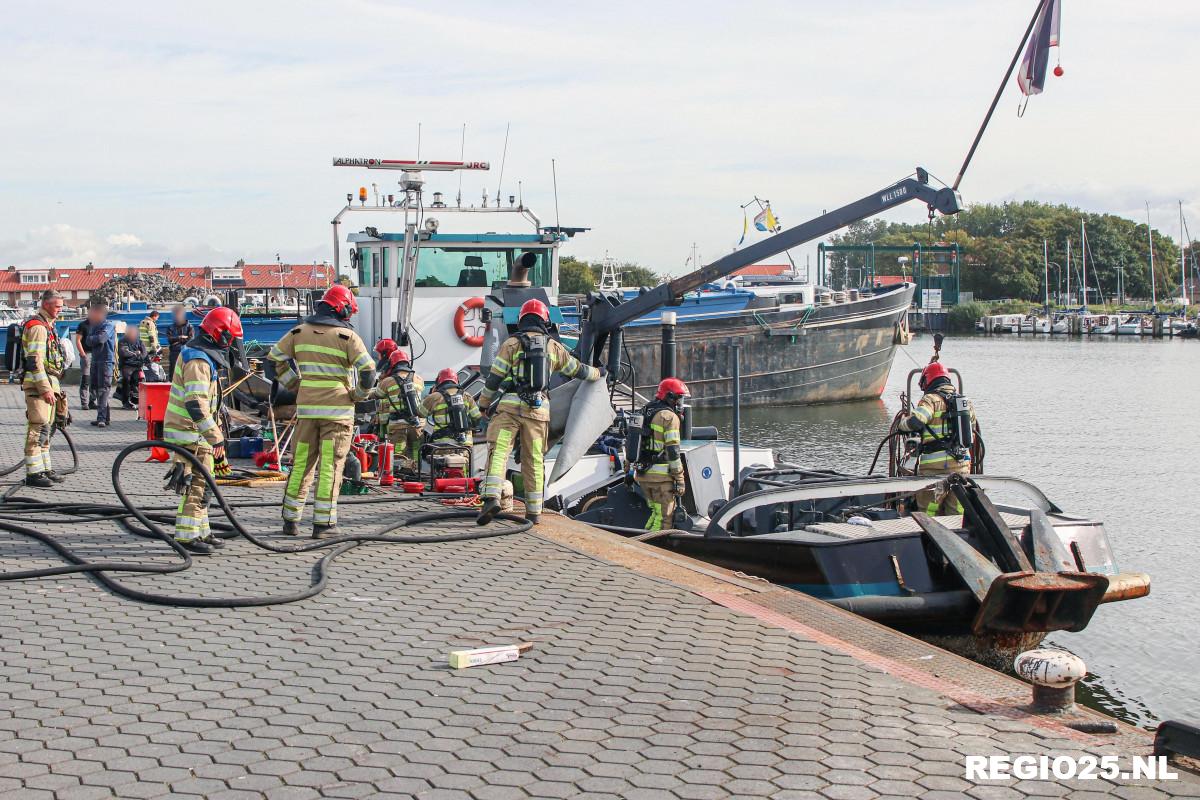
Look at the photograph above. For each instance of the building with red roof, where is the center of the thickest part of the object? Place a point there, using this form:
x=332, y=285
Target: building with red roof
x=765, y=270
x=22, y=285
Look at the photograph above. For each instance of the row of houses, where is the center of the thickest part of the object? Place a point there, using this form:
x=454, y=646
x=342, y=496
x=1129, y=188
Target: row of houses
x=20, y=286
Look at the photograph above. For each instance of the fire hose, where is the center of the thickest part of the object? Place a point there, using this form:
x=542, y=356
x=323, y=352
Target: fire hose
x=150, y=522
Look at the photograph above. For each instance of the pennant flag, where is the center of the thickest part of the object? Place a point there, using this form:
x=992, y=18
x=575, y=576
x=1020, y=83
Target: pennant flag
x=765, y=220
x=745, y=228
x=1032, y=77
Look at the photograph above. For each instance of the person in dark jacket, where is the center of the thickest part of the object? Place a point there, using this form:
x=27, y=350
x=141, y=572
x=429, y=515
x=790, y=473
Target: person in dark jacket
x=87, y=394
x=101, y=346
x=179, y=333
x=132, y=359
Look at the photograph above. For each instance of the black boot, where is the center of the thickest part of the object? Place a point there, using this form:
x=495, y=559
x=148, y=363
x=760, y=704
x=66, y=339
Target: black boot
x=39, y=480
x=214, y=542
x=195, y=546
x=54, y=476
x=491, y=507
x=290, y=528
x=325, y=531
x=532, y=519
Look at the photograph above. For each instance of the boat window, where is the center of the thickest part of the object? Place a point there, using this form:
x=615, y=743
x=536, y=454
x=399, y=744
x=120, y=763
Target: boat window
x=475, y=267
x=375, y=268
x=383, y=256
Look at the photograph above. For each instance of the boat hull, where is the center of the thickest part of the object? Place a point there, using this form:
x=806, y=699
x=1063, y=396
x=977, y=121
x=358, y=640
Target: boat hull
x=823, y=354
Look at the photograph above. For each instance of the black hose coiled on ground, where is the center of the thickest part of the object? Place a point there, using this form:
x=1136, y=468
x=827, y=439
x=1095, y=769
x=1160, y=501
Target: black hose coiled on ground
x=151, y=521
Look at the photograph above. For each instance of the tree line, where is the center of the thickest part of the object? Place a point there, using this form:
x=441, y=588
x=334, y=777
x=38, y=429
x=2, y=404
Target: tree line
x=1003, y=255
x=576, y=276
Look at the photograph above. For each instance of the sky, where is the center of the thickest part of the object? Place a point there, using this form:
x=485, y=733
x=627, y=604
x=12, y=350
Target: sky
x=201, y=133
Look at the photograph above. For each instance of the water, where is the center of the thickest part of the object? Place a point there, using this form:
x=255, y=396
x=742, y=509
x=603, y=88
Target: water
x=1106, y=427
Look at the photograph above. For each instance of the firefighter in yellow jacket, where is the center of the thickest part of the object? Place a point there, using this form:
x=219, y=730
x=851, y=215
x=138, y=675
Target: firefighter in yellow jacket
x=398, y=411
x=659, y=470
x=148, y=333
x=452, y=413
x=43, y=366
x=327, y=364
x=520, y=376
x=192, y=421
x=942, y=451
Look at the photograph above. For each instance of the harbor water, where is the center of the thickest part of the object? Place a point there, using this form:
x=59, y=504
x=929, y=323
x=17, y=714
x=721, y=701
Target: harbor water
x=1106, y=427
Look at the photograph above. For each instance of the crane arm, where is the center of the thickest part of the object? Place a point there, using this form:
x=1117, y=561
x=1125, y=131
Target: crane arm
x=606, y=313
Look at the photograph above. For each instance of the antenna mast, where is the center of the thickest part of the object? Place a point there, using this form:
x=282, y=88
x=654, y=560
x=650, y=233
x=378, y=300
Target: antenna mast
x=503, y=158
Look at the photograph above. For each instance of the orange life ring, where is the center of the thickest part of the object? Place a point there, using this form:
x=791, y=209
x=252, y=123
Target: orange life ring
x=468, y=312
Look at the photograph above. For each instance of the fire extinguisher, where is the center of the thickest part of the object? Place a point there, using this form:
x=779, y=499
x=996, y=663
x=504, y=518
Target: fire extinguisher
x=386, y=449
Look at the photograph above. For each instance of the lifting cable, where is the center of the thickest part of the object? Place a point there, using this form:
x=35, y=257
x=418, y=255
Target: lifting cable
x=149, y=522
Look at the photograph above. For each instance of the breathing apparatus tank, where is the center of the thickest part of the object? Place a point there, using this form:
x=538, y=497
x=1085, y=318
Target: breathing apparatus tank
x=536, y=373
x=958, y=408
x=411, y=401
x=633, y=437
x=458, y=415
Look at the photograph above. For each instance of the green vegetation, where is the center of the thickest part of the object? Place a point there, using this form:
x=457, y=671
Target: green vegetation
x=579, y=277
x=1003, y=245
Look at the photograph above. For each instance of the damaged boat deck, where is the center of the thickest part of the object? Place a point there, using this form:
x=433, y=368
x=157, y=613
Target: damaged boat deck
x=650, y=675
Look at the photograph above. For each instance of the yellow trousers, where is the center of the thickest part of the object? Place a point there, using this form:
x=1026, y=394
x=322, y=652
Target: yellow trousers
x=191, y=518
x=660, y=496
x=39, y=424
x=320, y=451
x=937, y=500
x=504, y=431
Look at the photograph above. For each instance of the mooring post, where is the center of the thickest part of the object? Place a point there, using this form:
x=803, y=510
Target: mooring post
x=667, y=357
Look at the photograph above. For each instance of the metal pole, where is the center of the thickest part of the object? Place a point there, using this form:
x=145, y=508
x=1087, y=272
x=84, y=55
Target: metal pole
x=996, y=100
x=737, y=419
x=667, y=357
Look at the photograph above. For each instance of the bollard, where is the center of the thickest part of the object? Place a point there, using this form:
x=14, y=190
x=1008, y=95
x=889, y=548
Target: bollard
x=1053, y=674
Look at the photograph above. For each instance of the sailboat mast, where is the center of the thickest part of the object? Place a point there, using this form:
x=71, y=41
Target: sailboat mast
x=1046, y=267
x=1083, y=257
x=1182, y=267
x=1069, y=266
x=1150, y=239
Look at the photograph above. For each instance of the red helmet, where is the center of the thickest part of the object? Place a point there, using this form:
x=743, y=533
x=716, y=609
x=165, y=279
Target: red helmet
x=447, y=376
x=669, y=386
x=222, y=325
x=385, y=347
x=341, y=300
x=931, y=374
x=397, y=358
x=535, y=307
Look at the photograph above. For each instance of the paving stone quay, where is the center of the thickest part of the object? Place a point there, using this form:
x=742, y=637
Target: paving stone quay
x=649, y=677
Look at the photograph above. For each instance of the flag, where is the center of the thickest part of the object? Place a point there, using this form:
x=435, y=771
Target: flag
x=765, y=220
x=1032, y=77
x=745, y=228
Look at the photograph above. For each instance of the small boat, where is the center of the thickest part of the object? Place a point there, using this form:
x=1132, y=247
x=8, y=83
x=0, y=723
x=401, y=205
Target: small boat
x=1032, y=323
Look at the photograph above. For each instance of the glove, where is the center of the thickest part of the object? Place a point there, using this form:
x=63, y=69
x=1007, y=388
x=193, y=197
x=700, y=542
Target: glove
x=221, y=468
x=603, y=372
x=629, y=481
x=679, y=488
x=178, y=478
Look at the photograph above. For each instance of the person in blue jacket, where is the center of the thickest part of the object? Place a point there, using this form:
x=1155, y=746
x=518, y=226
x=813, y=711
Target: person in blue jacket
x=101, y=345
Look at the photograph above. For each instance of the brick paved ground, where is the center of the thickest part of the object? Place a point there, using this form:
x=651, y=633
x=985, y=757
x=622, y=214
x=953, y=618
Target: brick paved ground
x=635, y=688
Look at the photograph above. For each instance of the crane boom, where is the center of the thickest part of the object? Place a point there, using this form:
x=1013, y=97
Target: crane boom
x=607, y=313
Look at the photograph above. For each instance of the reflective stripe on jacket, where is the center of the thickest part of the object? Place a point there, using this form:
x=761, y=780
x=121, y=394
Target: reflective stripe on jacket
x=42, y=353
x=328, y=358
x=390, y=396
x=506, y=367
x=664, y=433
x=194, y=382
x=931, y=418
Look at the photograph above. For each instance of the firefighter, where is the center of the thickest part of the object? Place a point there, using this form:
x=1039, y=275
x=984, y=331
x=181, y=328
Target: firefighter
x=659, y=470
x=451, y=425
x=520, y=376
x=43, y=363
x=327, y=364
x=399, y=405
x=148, y=333
x=383, y=353
x=942, y=451
x=193, y=422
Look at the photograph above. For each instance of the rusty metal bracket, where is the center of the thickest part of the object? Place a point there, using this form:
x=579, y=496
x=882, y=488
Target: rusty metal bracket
x=1019, y=602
